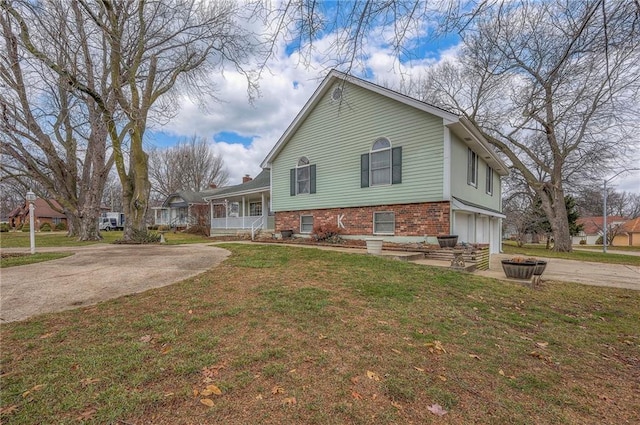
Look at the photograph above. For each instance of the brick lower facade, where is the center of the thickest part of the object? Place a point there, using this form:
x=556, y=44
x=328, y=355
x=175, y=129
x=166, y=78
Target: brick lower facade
x=432, y=219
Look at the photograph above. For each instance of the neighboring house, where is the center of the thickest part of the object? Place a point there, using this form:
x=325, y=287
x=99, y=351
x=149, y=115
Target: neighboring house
x=183, y=209
x=243, y=207
x=375, y=162
x=43, y=213
x=592, y=229
x=632, y=230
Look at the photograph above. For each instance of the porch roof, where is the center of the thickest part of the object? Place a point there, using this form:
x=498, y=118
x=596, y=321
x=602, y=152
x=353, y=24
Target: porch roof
x=460, y=205
x=261, y=183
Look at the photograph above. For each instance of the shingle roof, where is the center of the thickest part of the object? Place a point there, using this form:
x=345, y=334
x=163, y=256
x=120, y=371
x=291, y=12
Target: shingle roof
x=593, y=225
x=259, y=184
x=632, y=226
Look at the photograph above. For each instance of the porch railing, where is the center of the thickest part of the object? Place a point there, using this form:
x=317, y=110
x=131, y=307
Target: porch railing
x=246, y=222
x=256, y=225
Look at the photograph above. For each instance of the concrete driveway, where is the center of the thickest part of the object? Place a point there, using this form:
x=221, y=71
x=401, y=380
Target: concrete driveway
x=587, y=273
x=96, y=273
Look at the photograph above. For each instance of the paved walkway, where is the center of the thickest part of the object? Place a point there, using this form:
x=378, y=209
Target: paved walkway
x=96, y=273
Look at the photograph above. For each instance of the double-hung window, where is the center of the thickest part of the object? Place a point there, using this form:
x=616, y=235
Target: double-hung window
x=306, y=223
x=303, y=177
x=384, y=223
x=382, y=165
x=489, y=183
x=472, y=168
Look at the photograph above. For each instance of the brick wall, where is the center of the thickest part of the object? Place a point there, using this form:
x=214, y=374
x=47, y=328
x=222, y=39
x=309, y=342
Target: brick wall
x=411, y=219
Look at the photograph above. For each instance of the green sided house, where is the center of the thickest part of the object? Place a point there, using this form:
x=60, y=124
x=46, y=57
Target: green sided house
x=377, y=163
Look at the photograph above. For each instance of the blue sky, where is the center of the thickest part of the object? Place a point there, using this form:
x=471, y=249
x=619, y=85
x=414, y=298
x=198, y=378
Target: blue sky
x=243, y=133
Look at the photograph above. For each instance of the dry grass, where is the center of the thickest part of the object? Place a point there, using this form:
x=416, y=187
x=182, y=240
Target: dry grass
x=304, y=336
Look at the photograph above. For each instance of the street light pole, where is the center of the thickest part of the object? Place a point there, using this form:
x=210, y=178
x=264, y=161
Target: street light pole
x=31, y=197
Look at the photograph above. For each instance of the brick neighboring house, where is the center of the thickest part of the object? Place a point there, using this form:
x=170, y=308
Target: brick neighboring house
x=592, y=229
x=43, y=213
x=632, y=230
x=376, y=162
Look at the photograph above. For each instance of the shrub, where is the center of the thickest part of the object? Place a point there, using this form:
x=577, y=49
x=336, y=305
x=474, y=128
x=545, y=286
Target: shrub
x=326, y=232
x=61, y=226
x=45, y=227
x=4, y=227
x=25, y=227
x=583, y=242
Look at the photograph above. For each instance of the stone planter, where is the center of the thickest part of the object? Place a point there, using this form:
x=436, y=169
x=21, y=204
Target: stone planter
x=374, y=245
x=447, y=241
x=286, y=234
x=540, y=267
x=518, y=269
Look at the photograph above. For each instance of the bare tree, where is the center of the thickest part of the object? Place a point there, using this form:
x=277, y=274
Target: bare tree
x=48, y=134
x=148, y=49
x=190, y=165
x=554, y=87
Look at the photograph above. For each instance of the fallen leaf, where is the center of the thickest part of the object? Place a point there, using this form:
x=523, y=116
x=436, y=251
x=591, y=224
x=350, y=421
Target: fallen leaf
x=212, y=371
x=277, y=390
x=442, y=378
x=26, y=394
x=474, y=356
x=165, y=350
x=322, y=336
x=207, y=402
x=372, y=375
x=168, y=394
x=293, y=370
x=289, y=401
x=37, y=387
x=396, y=405
x=8, y=409
x=396, y=351
x=418, y=369
x=87, y=414
x=542, y=344
x=89, y=381
x=190, y=311
x=195, y=392
x=435, y=346
x=436, y=409
x=354, y=380
x=501, y=372
x=259, y=397
x=356, y=395
x=214, y=389
x=48, y=335
x=146, y=338
x=206, y=392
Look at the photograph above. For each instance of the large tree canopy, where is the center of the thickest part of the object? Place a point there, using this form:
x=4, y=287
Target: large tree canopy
x=554, y=87
x=140, y=53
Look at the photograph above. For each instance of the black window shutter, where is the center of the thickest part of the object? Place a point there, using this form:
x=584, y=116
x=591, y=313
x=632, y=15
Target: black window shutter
x=396, y=162
x=292, y=181
x=364, y=170
x=312, y=178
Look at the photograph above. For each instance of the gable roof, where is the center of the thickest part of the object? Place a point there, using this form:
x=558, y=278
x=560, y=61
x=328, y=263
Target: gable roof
x=189, y=197
x=632, y=226
x=462, y=127
x=593, y=225
x=260, y=183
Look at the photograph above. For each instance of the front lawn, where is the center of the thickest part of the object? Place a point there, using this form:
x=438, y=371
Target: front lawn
x=14, y=259
x=286, y=335
x=60, y=239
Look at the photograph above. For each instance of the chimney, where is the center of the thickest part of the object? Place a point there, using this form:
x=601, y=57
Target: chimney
x=246, y=178
x=213, y=186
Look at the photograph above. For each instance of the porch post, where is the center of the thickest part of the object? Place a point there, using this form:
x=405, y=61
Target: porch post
x=243, y=213
x=265, y=210
x=210, y=216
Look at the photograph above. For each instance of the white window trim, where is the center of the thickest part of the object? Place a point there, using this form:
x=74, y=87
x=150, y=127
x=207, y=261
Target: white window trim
x=374, y=222
x=312, y=221
x=472, y=168
x=489, y=181
x=371, y=152
x=299, y=167
x=255, y=203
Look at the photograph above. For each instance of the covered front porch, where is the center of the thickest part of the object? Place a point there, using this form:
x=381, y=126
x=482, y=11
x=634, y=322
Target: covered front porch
x=248, y=213
x=475, y=224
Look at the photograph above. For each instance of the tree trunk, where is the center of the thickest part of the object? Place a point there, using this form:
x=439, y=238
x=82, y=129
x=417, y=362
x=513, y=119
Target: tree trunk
x=136, y=191
x=556, y=211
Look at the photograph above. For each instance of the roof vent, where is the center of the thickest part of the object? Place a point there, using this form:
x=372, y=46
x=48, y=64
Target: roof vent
x=336, y=94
